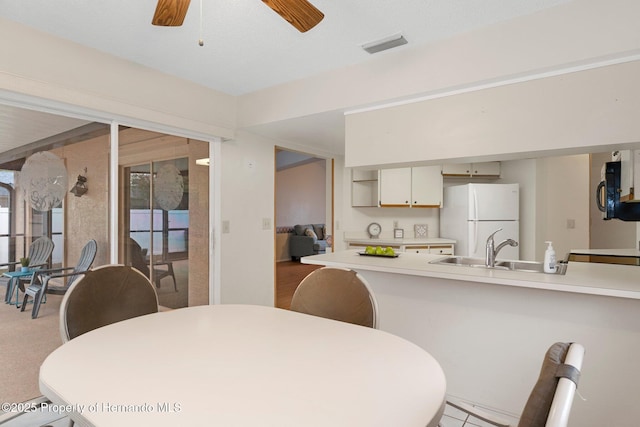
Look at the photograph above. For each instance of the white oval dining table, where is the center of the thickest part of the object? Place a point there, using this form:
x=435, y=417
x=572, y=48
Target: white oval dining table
x=242, y=365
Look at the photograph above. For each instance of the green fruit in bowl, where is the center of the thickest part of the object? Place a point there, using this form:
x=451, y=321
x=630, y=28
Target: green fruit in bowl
x=379, y=250
x=389, y=251
x=369, y=250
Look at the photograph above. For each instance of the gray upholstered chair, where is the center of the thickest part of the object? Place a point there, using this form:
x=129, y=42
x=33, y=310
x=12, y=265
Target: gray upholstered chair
x=39, y=252
x=550, y=401
x=336, y=293
x=105, y=295
x=40, y=281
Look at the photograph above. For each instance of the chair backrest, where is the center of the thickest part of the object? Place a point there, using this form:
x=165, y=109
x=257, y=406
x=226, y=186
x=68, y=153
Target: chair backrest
x=336, y=293
x=40, y=251
x=87, y=256
x=136, y=257
x=550, y=401
x=105, y=295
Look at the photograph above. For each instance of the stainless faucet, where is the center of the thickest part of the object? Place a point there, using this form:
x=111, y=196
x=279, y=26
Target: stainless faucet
x=491, y=253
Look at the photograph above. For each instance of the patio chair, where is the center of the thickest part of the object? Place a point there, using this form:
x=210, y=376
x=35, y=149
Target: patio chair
x=105, y=295
x=338, y=294
x=161, y=269
x=39, y=252
x=40, y=281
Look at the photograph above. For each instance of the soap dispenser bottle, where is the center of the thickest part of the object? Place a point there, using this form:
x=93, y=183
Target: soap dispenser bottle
x=549, y=259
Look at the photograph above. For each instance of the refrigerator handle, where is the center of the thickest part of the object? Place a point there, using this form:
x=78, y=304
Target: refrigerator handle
x=474, y=243
x=475, y=205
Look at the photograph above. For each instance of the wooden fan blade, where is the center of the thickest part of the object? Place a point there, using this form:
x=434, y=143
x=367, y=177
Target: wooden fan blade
x=170, y=13
x=299, y=13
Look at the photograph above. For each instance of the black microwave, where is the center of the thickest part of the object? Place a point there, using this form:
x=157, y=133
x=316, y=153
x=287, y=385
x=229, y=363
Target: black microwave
x=608, y=196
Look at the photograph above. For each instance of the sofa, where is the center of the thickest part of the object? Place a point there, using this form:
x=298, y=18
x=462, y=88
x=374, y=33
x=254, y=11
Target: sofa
x=307, y=239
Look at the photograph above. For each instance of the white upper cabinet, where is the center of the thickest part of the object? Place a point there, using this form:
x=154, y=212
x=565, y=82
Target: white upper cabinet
x=426, y=186
x=395, y=187
x=411, y=187
x=490, y=169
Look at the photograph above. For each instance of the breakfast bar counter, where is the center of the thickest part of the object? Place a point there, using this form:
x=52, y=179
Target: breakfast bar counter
x=584, y=278
x=489, y=328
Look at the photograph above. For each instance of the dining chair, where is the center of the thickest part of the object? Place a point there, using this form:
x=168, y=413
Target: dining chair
x=39, y=252
x=339, y=294
x=40, y=281
x=105, y=295
x=551, y=398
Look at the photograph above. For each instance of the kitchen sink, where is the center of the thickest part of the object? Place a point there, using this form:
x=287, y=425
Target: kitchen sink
x=461, y=260
x=524, y=266
x=531, y=266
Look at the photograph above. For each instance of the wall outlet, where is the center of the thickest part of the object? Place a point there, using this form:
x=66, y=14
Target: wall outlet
x=266, y=223
x=395, y=224
x=226, y=226
x=571, y=223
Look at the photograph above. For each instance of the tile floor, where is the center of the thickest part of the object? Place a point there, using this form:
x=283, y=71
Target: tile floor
x=37, y=419
x=455, y=418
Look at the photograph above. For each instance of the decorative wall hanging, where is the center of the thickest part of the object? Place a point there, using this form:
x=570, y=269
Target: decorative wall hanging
x=43, y=179
x=80, y=188
x=168, y=187
x=420, y=230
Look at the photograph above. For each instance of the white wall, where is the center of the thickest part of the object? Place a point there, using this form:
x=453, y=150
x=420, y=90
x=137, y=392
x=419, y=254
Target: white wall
x=574, y=112
x=57, y=70
x=563, y=195
x=247, y=251
x=301, y=194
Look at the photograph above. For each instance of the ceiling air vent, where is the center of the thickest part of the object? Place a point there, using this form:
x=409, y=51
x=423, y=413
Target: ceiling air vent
x=385, y=43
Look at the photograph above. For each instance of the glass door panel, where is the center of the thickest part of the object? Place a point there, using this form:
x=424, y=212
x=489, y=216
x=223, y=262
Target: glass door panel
x=157, y=221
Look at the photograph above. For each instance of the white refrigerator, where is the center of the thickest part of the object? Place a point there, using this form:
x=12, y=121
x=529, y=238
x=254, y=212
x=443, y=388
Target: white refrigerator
x=471, y=212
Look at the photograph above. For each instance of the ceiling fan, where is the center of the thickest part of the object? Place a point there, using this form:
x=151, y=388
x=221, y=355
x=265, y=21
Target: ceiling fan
x=299, y=13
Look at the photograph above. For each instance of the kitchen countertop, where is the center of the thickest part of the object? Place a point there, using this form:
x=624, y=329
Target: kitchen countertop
x=584, y=278
x=389, y=241
x=608, y=252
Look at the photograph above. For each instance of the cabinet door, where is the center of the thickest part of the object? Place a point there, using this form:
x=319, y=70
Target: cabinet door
x=486, y=169
x=459, y=169
x=395, y=187
x=426, y=186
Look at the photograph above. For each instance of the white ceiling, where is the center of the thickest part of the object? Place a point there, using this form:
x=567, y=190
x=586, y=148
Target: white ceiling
x=247, y=46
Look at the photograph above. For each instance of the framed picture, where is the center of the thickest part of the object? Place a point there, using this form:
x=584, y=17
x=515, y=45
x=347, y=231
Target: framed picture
x=398, y=233
x=420, y=230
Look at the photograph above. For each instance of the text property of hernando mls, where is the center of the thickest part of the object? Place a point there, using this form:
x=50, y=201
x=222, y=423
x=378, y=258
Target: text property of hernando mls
x=159, y=407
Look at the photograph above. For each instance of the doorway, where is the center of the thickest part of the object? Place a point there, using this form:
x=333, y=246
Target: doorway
x=303, y=195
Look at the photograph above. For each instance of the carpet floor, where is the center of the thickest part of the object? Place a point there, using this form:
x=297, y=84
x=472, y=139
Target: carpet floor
x=25, y=343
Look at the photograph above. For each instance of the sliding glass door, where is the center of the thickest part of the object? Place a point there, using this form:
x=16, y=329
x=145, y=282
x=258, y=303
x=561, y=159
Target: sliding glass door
x=164, y=214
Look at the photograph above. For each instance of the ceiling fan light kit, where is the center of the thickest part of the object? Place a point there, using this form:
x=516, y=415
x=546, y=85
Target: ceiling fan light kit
x=386, y=43
x=299, y=13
